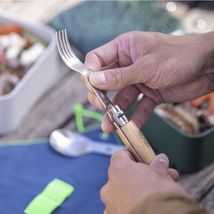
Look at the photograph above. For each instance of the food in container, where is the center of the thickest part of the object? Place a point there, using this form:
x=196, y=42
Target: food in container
x=192, y=117
x=38, y=78
x=19, y=49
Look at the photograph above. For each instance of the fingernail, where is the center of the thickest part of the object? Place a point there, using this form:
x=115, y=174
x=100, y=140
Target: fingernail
x=163, y=158
x=98, y=78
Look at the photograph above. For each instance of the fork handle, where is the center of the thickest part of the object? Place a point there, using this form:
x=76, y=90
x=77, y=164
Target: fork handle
x=131, y=135
x=99, y=93
x=137, y=142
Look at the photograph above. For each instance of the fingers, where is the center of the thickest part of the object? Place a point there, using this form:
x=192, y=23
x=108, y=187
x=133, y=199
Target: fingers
x=115, y=79
x=119, y=163
x=117, y=49
x=160, y=163
x=173, y=174
x=104, y=193
x=102, y=56
x=114, y=61
x=93, y=99
x=122, y=156
x=142, y=111
x=85, y=82
x=125, y=98
x=106, y=125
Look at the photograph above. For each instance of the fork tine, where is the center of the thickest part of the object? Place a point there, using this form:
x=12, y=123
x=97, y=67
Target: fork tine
x=59, y=45
x=68, y=45
x=65, y=45
x=62, y=46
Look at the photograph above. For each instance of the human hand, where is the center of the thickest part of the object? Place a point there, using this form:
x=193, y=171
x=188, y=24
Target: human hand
x=131, y=182
x=163, y=67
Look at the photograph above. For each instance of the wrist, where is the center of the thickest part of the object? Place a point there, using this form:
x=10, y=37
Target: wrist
x=207, y=49
x=169, y=202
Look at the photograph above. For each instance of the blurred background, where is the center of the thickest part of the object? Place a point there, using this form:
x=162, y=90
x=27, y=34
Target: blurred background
x=89, y=25
x=41, y=98
x=195, y=16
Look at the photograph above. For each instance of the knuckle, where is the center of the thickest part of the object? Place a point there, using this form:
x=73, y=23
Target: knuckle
x=103, y=194
x=116, y=167
x=115, y=156
x=116, y=76
x=88, y=54
x=93, y=61
x=113, y=171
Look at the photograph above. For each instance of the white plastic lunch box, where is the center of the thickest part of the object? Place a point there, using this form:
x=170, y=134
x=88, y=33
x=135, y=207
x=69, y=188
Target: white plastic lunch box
x=41, y=75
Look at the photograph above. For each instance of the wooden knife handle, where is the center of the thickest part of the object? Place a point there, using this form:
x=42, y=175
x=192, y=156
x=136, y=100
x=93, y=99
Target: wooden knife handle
x=137, y=141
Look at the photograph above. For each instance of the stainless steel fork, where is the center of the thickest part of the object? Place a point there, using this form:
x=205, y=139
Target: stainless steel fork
x=126, y=128
x=75, y=64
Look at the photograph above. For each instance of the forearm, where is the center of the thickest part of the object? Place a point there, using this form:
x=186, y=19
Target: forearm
x=168, y=203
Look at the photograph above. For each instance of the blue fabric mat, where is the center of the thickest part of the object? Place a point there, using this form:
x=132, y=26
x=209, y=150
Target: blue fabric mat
x=26, y=169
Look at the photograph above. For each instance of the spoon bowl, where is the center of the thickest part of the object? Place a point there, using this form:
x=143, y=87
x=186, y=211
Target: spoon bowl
x=73, y=144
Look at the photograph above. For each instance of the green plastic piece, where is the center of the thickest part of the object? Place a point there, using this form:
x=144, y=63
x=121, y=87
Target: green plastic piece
x=52, y=196
x=79, y=112
x=41, y=205
x=105, y=135
x=93, y=115
x=58, y=190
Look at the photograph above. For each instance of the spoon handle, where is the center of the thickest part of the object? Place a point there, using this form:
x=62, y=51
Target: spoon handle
x=105, y=148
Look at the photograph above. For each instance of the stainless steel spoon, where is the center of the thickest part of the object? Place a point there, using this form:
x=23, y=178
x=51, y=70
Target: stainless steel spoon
x=73, y=144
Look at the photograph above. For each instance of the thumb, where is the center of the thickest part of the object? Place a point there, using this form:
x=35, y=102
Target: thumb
x=160, y=163
x=114, y=79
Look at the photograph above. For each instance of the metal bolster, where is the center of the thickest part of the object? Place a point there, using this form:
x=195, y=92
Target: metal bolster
x=118, y=115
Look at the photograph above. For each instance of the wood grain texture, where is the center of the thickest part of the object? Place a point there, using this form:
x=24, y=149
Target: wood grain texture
x=200, y=186
x=208, y=200
x=138, y=142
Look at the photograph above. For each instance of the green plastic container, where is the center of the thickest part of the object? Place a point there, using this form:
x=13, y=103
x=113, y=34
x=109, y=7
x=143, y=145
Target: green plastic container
x=189, y=153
